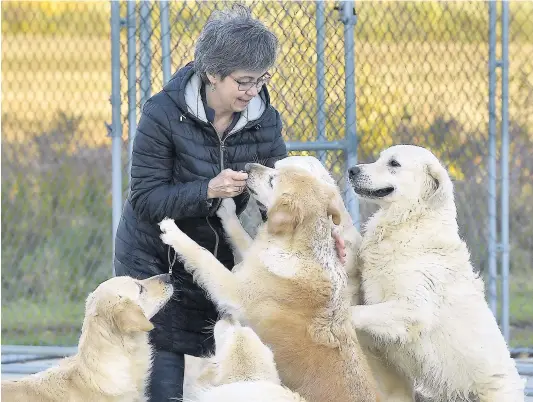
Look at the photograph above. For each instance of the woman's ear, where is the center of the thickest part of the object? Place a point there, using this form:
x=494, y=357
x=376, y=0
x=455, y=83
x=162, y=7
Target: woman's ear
x=212, y=78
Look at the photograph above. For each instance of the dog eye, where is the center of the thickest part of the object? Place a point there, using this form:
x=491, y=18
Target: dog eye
x=141, y=288
x=270, y=181
x=394, y=163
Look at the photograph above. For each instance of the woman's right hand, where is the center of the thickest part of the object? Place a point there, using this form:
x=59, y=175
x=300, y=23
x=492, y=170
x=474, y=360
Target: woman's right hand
x=227, y=184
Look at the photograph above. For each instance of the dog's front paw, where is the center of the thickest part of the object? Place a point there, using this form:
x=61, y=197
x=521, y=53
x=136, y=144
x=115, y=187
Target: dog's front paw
x=168, y=225
x=171, y=232
x=227, y=209
x=356, y=316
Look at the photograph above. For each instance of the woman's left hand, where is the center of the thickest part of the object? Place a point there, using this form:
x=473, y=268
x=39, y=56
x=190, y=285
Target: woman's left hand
x=339, y=245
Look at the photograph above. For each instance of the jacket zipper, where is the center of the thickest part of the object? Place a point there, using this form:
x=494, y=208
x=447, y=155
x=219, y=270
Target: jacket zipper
x=222, y=148
x=217, y=238
x=215, y=251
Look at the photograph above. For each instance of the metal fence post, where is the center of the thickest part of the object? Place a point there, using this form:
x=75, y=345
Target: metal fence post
x=145, y=25
x=165, y=40
x=505, y=172
x=132, y=78
x=321, y=76
x=492, y=261
x=116, y=124
x=349, y=19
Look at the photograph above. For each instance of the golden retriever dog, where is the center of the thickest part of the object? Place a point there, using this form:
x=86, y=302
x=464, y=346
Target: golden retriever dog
x=241, y=370
x=240, y=240
x=291, y=287
x=391, y=383
x=424, y=306
x=114, y=356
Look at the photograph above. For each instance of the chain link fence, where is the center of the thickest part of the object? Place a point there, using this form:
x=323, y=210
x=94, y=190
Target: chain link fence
x=521, y=172
x=421, y=77
x=422, y=73
x=56, y=236
x=296, y=86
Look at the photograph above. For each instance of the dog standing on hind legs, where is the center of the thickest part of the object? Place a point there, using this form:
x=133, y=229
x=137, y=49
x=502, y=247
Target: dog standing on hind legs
x=291, y=288
x=392, y=384
x=424, y=305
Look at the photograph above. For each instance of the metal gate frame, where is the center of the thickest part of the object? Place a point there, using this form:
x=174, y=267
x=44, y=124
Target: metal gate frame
x=349, y=144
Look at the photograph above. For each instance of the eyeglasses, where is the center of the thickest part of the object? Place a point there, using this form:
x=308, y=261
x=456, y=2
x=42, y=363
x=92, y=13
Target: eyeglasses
x=246, y=86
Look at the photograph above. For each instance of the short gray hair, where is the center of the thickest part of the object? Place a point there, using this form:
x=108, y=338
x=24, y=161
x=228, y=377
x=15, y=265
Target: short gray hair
x=233, y=40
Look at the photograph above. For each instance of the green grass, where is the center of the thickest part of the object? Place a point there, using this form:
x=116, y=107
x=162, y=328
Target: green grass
x=58, y=322
x=46, y=322
x=414, y=61
x=521, y=311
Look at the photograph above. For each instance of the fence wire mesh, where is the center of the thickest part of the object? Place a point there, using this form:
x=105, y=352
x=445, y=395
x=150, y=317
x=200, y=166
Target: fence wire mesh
x=421, y=77
x=521, y=172
x=56, y=238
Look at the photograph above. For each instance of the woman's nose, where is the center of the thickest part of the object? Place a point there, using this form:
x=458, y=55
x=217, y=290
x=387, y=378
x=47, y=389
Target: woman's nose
x=253, y=91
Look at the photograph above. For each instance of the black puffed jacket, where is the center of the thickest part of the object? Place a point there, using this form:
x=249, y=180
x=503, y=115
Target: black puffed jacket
x=176, y=151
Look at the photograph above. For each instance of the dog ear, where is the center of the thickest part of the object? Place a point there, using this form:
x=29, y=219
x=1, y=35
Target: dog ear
x=439, y=184
x=129, y=317
x=284, y=216
x=334, y=208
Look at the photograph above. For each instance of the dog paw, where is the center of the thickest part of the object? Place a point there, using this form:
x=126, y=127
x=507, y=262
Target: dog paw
x=170, y=231
x=227, y=209
x=356, y=316
x=167, y=225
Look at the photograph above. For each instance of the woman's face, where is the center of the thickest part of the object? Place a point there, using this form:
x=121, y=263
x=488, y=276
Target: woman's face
x=235, y=91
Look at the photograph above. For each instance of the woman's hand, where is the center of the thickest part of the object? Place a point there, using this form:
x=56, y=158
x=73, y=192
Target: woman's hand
x=339, y=244
x=227, y=184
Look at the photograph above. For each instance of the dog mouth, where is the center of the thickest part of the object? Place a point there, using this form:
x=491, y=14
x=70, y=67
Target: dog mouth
x=377, y=193
x=261, y=206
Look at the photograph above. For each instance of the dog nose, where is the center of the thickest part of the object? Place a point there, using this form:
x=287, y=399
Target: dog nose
x=247, y=167
x=166, y=278
x=354, y=171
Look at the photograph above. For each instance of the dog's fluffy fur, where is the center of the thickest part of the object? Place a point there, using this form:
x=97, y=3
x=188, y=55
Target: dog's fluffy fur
x=424, y=304
x=242, y=369
x=290, y=287
x=391, y=383
x=241, y=241
x=114, y=356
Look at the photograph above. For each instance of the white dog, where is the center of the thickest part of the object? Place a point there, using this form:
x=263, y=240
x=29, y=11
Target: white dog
x=242, y=369
x=391, y=383
x=424, y=304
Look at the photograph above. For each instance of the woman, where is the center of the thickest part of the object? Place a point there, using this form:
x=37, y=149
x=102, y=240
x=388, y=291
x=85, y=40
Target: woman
x=192, y=142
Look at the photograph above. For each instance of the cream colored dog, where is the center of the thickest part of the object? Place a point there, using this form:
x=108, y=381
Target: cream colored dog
x=424, y=304
x=114, y=356
x=242, y=369
x=392, y=384
x=241, y=241
x=290, y=287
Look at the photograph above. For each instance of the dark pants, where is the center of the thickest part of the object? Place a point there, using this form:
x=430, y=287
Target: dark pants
x=166, y=381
